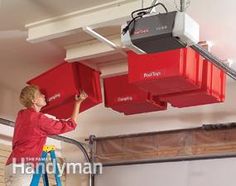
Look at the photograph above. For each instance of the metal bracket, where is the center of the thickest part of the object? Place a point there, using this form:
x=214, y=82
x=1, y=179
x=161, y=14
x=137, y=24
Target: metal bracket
x=104, y=40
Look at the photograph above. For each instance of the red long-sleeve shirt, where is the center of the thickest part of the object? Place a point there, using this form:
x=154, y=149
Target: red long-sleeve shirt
x=30, y=134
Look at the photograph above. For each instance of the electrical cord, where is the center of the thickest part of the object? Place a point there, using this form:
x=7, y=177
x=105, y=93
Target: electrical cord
x=128, y=25
x=140, y=13
x=150, y=7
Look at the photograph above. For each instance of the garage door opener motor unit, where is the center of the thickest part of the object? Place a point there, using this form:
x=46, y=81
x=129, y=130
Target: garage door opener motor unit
x=156, y=32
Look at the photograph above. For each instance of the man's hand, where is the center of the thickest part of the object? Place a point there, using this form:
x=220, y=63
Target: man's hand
x=78, y=100
x=81, y=97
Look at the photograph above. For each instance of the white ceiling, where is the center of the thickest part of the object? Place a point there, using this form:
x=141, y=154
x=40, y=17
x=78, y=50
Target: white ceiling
x=20, y=60
x=14, y=14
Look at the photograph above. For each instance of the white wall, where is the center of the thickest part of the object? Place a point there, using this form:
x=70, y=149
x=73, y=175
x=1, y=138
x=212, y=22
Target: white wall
x=105, y=122
x=8, y=110
x=9, y=102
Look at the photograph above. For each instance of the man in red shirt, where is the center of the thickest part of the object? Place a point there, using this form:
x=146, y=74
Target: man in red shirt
x=31, y=130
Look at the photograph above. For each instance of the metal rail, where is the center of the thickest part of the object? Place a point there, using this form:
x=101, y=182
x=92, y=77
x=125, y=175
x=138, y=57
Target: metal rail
x=182, y=5
x=153, y=3
x=215, y=60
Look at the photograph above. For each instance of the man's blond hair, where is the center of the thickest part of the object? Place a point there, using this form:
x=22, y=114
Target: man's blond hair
x=27, y=95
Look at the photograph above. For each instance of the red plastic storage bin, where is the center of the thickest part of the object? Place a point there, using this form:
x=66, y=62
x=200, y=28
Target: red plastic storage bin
x=128, y=99
x=165, y=72
x=212, y=88
x=63, y=82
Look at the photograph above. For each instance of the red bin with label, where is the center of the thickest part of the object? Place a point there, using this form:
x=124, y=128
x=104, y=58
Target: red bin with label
x=165, y=72
x=212, y=88
x=128, y=99
x=63, y=82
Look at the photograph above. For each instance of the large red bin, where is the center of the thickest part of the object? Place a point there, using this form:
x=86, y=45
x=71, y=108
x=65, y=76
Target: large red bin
x=165, y=72
x=63, y=82
x=128, y=99
x=212, y=88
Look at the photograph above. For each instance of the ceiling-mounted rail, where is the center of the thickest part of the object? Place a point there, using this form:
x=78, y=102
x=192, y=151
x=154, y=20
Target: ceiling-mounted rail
x=182, y=5
x=215, y=60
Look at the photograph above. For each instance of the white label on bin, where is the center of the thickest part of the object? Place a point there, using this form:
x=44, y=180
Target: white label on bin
x=57, y=95
x=123, y=99
x=151, y=74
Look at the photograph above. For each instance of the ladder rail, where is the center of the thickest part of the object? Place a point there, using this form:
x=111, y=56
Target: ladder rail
x=55, y=168
x=45, y=179
x=41, y=168
x=38, y=173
